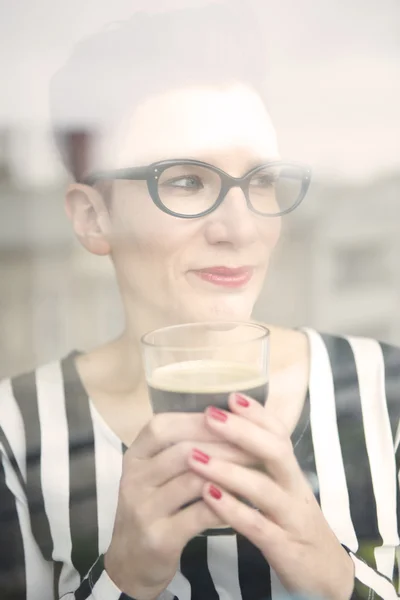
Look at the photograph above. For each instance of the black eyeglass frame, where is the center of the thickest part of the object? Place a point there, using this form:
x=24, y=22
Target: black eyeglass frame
x=151, y=174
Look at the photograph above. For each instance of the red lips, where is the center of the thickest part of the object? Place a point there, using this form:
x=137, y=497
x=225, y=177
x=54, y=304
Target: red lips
x=226, y=276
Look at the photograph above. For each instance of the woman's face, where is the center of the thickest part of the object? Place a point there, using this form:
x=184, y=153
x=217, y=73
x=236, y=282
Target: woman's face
x=173, y=270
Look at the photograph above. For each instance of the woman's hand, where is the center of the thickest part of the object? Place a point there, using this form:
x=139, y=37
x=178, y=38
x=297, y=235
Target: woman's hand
x=289, y=527
x=151, y=527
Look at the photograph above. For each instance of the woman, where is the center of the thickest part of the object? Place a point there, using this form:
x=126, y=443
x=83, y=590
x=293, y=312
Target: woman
x=97, y=495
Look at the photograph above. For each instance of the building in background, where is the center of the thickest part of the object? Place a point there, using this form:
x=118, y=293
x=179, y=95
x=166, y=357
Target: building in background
x=337, y=267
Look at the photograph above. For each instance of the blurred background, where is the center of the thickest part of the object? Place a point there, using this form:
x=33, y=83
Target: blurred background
x=334, y=96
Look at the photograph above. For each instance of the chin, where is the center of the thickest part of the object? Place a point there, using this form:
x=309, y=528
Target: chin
x=227, y=309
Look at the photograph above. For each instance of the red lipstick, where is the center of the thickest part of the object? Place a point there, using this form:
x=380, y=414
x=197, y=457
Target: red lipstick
x=226, y=276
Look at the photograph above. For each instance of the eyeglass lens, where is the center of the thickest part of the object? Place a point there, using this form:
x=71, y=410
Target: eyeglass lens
x=193, y=189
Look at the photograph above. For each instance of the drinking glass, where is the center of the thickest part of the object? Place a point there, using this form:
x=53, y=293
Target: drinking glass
x=192, y=366
x=189, y=367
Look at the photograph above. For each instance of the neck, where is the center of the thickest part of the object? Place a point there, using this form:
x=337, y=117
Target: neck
x=123, y=367
x=116, y=369
x=114, y=379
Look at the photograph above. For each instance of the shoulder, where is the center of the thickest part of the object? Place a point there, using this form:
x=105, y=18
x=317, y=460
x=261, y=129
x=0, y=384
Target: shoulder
x=30, y=400
x=362, y=370
x=288, y=347
x=23, y=389
x=350, y=355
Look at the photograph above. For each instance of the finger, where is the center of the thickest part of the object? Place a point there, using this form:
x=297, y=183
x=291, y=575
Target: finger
x=174, y=495
x=252, y=410
x=171, y=462
x=186, y=486
x=276, y=452
x=166, y=429
x=246, y=520
x=191, y=521
x=163, y=502
x=258, y=488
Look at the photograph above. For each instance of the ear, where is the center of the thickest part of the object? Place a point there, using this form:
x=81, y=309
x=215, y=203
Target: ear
x=89, y=217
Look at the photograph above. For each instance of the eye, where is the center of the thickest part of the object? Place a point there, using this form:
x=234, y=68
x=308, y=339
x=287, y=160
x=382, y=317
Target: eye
x=264, y=179
x=188, y=182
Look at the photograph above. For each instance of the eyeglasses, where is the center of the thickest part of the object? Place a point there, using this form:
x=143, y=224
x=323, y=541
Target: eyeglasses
x=190, y=188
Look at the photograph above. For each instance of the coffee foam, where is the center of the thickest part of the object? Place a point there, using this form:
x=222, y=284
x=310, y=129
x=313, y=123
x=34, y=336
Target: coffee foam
x=206, y=376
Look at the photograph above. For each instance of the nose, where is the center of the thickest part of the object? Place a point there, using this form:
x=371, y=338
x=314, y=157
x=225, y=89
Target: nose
x=233, y=222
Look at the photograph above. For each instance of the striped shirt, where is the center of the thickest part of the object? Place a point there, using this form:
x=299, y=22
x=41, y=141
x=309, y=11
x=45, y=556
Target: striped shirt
x=61, y=465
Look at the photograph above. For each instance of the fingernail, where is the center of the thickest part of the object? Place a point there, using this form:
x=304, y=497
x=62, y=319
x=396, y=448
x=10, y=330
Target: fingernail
x=200, y=456
x=217, y=414
x=241, y=400
x=214, y=492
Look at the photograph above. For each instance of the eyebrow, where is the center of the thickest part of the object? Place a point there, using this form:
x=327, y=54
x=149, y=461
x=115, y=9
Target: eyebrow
x=220, y=159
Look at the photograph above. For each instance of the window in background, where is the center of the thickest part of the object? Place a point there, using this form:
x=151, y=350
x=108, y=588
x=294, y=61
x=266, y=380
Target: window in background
x=361, y=265
x=379, y=330
x=5, y=171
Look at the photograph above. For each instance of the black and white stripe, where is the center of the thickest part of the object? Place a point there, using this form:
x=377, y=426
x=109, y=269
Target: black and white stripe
x=223, y=560
x=55, y=468
x=108, y=454
x=32, y=575
x=392, y=395
x=25, y=393
x=355, y=458
x=61, y=465
x=334, y=495
x=82, y=472
x=380, y=449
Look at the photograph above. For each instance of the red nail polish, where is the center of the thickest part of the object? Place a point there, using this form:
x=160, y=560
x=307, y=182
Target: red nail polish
x=200, y=456
x=241, y=400
x=217, y=414
x=214, y=492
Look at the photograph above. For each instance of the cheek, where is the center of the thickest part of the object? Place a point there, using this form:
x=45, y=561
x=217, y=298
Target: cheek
x=146, y=237
x=136, y=221
x=144, y=248
x=143, y=263
x=271, y=232
x=277, y=230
